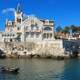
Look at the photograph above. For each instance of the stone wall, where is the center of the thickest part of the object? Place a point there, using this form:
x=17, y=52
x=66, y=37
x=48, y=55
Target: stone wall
x=43, y=49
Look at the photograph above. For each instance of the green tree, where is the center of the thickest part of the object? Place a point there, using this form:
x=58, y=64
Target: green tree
x=59, y=29
x=66, y=29
x=73, y=28
x=78, y=29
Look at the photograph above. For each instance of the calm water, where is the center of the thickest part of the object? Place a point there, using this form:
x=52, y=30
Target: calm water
x=42, y=69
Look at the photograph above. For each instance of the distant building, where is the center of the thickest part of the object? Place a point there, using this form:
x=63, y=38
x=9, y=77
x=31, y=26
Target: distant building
x=29, y=28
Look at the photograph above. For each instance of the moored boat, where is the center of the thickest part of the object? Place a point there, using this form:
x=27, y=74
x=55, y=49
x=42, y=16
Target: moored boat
x=9, y=70
x=2, y=54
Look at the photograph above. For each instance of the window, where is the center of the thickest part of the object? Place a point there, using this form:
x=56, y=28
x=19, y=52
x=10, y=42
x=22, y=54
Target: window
x=36, y=24
x=27, y=34
x=18, y=20
x=2, y=35
x=44, y=35
x=37, y=27
x=32, y=34
x=18, y=28
x=26, y=28
x=47, y=35
x=47, y=28
x=8, y=35
x=18, y=37
x=32, y=27
x=10, y=40
x=13, y=35
x=37, y=35
x=11, y=28
x=50, y=35
x=32, y=21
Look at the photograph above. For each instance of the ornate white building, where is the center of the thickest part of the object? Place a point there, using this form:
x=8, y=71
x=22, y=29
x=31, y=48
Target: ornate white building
x=30, y=28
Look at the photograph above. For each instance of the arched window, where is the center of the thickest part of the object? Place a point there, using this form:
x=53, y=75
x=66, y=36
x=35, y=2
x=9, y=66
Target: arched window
x=26, y=27
x=32, y=27
x=27, y=34
x=47, y=28
x=18, y=28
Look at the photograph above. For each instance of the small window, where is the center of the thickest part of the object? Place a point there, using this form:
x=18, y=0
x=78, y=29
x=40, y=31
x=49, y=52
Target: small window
x=37, y=35
x=37, y=27
x=18, y=28
x=18, y=20
x=2, y=35
x=10, y=40
x=36, y=24
x=8, y=35
x=44, y=35
x=50, y=35
x=32, y=34
x=13, y=35
x=27, y=34
x=32, y=27
x=26, y=28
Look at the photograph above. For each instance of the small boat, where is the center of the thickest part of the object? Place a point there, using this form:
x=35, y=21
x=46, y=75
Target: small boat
x=9, y=70
x=2, y=54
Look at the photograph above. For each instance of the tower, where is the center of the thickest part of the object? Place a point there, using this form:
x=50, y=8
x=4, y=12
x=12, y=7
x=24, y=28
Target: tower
x=18, y=14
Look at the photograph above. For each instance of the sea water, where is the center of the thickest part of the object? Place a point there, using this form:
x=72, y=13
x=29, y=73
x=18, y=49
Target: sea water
x=42, y=69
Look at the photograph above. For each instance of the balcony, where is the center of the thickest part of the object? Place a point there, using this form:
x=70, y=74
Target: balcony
x=48, y=24
x=35, y=30
x=27, y=30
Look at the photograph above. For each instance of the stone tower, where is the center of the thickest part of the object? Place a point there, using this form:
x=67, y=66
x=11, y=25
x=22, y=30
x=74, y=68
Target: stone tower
x=18, y=14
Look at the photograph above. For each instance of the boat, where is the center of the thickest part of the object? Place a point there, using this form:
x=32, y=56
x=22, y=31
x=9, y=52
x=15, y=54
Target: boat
x=9, y=70
x=2, y=54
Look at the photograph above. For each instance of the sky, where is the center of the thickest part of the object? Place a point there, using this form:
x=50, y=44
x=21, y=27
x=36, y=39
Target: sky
x=63, y=12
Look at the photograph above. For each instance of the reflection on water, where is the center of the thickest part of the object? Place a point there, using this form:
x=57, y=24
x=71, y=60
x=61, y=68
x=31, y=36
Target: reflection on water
x=42, y=69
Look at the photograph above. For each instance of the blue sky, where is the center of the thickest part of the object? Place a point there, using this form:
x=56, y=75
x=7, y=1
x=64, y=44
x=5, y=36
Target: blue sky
x=65, y=12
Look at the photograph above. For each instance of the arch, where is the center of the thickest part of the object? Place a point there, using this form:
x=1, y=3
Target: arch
x=36, y=21
x=47, y=28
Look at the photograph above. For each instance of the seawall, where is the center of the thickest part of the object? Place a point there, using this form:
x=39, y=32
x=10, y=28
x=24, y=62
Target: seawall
x=44, y=49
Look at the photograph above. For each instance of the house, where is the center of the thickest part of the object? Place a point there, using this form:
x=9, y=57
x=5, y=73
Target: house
x=30, y=28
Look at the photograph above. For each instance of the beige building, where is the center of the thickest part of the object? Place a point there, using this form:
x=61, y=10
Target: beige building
x=30, y=28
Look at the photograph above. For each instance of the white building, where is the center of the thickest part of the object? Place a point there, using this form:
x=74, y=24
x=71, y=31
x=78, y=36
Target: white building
x=30, y=28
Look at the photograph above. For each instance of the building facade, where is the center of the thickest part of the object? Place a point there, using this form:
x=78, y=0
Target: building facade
x=30, y=28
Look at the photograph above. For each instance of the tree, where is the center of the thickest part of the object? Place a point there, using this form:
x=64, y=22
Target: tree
x=78, y=29
x=59, y=29
x=66, y=29
x=73, y=28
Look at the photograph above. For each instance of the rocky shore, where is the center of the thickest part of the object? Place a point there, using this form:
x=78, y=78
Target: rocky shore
x=46, y=52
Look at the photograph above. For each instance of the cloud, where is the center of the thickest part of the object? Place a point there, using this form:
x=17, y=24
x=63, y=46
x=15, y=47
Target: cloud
x=8, y=10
